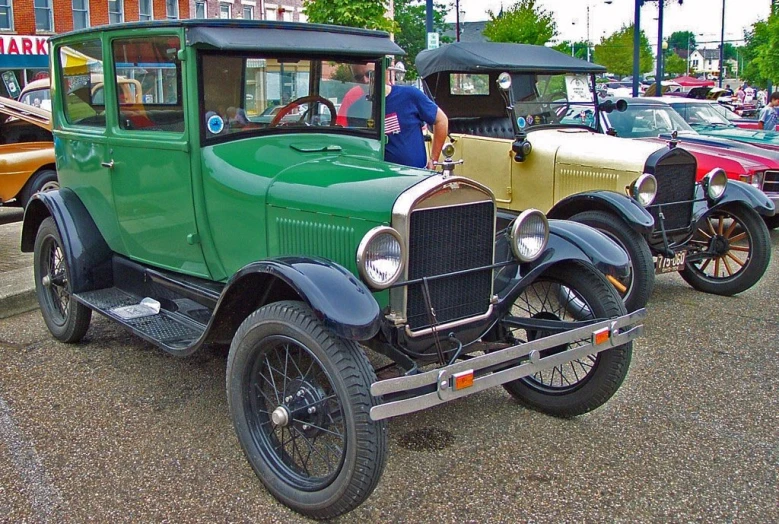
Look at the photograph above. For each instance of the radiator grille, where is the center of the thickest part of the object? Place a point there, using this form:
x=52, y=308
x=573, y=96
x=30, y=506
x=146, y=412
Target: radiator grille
x=771, y=182
x=443, y=241
x=675, y=191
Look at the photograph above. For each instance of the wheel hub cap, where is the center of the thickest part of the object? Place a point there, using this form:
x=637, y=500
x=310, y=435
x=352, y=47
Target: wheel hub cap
x=280, y=416
x=720, y=245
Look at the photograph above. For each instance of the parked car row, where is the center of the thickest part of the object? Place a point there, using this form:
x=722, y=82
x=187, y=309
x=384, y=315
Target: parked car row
x=289, y=240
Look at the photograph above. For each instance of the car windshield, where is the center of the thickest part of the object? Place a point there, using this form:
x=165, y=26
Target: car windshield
x=639, y=121
x=701, y=115
x=725, y=112
x=258, y=94
x=553, y=99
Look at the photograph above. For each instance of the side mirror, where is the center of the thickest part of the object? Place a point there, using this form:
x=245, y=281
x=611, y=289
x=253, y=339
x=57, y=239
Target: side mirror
x=504, y=81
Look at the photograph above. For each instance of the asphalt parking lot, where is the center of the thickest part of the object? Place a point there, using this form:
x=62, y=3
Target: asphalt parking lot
x=115, y=430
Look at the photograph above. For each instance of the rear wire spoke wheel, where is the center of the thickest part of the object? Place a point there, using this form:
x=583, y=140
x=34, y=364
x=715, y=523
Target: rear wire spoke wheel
x=738, y=242
x=66, y=318
x=569, y=292
x=300, y=401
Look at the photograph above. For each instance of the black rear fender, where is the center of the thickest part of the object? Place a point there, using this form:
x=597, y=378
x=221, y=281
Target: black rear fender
x=622, y=206
x=339, y=300
x=87, y=253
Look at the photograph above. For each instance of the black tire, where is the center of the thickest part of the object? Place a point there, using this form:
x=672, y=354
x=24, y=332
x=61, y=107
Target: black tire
x=741, y=244
x=66, y=318
x=338, y=375
x=43, y=180
x=641, y=281
x=772, y=222
x=584, y=384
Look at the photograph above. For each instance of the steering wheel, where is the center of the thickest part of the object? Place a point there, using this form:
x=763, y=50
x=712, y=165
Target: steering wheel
x=309, y=99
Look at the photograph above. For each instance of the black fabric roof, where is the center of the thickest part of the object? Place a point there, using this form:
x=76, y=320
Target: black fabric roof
x=265, y=35
x=474, y=57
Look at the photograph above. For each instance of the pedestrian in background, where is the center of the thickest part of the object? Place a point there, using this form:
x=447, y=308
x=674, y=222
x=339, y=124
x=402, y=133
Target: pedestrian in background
x=768, y=116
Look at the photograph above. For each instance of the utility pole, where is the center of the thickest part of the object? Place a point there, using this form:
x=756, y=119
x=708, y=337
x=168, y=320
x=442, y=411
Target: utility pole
x=432, y=36
x=637, y=46
x=457, y=20
x=722, y=46
x=659, y=74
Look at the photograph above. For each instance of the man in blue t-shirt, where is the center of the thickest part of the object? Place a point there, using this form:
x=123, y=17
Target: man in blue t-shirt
x=407, y=110
x=768, y=116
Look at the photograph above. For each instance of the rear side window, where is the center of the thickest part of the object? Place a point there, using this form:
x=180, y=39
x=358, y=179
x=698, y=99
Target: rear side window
x=82, y=74
x=148, y=83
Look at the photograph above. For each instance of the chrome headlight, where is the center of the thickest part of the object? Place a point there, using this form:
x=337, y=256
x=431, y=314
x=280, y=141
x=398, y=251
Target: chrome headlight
x=380, y=257
x=644, y=189
x=529, y=234
x=715, y=182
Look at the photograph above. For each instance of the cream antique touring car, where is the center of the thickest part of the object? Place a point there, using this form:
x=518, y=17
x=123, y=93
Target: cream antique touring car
x=524, y=120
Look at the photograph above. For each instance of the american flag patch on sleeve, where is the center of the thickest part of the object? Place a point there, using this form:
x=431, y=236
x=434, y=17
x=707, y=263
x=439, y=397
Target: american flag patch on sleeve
x=391, y=124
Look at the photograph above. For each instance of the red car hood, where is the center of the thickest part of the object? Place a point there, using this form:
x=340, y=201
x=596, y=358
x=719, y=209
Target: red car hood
x=735, y=163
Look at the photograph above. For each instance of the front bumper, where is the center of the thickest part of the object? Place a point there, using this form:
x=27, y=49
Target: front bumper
x=437, y=387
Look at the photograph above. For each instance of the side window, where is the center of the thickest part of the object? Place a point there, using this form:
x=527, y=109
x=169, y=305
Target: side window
x=148, y=84
x=82, y=71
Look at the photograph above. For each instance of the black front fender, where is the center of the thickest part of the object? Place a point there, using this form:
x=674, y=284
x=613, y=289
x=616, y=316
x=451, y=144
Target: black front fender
x=735, y=192
x=85, y=249
x=623, y=206
x=339, y=300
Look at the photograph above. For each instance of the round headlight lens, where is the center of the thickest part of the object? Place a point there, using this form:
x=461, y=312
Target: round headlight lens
x=644, y=189
x=380, y=257
x=529, y=235
x=715, y=183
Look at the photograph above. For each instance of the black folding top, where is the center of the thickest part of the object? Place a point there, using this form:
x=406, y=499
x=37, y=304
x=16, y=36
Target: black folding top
x=264, y=35
x=475, y=57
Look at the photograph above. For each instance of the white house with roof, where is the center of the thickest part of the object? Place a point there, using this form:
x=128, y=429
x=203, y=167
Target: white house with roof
x=705, y=61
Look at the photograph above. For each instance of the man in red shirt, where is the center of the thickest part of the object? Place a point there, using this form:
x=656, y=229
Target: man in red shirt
x=361, y=74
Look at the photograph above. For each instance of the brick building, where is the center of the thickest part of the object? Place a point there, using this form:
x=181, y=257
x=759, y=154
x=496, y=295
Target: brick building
x=25, y=26
x=287, y=10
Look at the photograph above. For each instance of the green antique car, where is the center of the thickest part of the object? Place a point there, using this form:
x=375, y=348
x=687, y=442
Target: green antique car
x=292, y=242
x=525, y=121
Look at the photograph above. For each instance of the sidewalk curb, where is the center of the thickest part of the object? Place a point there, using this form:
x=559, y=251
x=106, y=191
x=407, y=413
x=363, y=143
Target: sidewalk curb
x=17, y=292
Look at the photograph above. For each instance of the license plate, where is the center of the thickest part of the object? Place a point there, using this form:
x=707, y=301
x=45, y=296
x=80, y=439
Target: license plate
x=669, y=265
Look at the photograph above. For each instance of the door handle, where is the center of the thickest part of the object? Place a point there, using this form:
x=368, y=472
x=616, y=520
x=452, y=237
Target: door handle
x=109, y=165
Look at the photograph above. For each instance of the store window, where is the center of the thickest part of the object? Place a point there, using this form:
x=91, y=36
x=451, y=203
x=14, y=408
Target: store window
x=146, y=10
x=80, y=14
x=115, y=11
x=248, y=12
x=82, y=78
x=172, y=9
x=44, y=20
x=200, y=10
x=6, y=15
x=224, y=10
x=148, y=84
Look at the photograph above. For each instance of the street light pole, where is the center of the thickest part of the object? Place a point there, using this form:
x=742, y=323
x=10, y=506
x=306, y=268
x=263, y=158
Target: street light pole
x=636, y=46
x=687, y=72
x=722, y=45
x=659, y=73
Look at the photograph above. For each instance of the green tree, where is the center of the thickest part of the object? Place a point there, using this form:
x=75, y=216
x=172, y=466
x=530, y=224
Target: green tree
x=675, y=65
x=411, y=34
x=370, y=14
x=768, y=53
x=678, y=41
x=579, y=48
x=757, y=39
x=616, y=52
x=730, y=51
x=522, y=23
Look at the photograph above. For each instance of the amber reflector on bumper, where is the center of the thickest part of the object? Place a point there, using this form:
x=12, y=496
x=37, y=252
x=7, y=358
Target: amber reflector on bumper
x=600, y=336
x=463, y=379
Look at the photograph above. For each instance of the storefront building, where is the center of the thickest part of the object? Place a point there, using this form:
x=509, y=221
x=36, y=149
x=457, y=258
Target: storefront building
x=286, y=10
x=25, y=26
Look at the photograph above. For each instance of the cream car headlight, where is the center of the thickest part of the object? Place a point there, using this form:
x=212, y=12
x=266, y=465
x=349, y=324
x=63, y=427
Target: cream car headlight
x=529, y=234
x=644, y=189
x=380, y=257
x=715, y=182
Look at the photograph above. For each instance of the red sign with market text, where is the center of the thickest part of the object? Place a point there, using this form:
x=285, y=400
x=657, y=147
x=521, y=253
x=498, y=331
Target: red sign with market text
x=24, y=45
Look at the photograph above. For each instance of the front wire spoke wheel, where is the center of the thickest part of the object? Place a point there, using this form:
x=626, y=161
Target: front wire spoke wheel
x=568, y=292
x=300, y=401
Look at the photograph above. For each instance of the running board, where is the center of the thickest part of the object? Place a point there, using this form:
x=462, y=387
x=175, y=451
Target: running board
x=172, y=330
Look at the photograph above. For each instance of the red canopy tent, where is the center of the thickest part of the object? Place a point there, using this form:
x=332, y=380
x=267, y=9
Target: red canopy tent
x=688, y=81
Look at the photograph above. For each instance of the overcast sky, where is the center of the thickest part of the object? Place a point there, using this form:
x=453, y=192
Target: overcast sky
x=701, y=16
